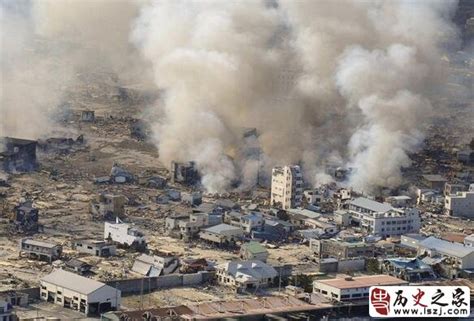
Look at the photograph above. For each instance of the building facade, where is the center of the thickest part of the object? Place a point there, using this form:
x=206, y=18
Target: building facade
x=79, y=293
x=460, y=204
x=40, y=250
x=382, y=219
x=123, y=234
x=287, y=187
x=353, y=288
x=95, y=247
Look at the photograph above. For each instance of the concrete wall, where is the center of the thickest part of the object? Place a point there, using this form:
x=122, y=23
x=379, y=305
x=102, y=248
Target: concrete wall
x=351, y=265
x=167, y=281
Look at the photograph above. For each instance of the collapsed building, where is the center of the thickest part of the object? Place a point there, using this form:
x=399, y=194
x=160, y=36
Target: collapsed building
x=60, y=145
x=87, y=116
x=185, y=173
x=18, y=155
x=25, y=218
x=108, y=206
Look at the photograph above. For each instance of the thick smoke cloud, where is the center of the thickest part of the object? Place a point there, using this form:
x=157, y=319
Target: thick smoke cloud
x=344, y=81
x=46, y=43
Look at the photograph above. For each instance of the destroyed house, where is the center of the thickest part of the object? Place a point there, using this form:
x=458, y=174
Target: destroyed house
x=96, y=248
x=18, y=155
x=245, y=274
x=60, y=145
x=40, y=250
x=25, y=218
x=79, y=293
x=149, y=265
x=87, y=116
x=109, y=206
x=185, y=173
x=123, y=234
x=78, y=266
x=222, y=234
x=408, y=269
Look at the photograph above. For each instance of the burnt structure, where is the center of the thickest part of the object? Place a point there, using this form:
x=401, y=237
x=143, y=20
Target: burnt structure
x=18, y=155
x=60, y=145
x=25, y=218
x=185, y=173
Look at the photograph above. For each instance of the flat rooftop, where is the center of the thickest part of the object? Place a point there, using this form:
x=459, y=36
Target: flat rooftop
x=362, y=281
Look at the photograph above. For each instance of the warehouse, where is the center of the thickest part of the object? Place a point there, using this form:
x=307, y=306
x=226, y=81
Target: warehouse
x=79, y=293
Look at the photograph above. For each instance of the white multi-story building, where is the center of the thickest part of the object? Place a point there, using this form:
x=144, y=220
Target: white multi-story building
x=460, y=204
x=123, y=234
x=287, y=187
x=383, y=219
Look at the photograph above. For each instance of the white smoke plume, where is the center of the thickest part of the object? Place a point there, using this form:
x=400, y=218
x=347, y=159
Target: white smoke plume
x=320, y=80
x=46, y=43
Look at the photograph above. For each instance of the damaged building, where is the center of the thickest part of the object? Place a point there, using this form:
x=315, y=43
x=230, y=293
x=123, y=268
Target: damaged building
x=18, y=155
x=60, y=145
x=25, y=218
x=185, y=173
x=87, y=116
x=108, y=206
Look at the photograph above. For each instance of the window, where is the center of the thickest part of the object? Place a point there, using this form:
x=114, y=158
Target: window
x=345, y=296
x=356, y=295
x=75, y=298
x=43, y=294
x=324, y=292
x=59, y=300
x=59, y=292
x=43, y=287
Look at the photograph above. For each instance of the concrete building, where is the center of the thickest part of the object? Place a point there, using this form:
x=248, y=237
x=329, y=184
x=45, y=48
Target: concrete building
x=75, y=292
x=222, y=234
x=408, y=269
x=399, y=201
x=26, y=218
x=185, y=173
x=78, y=266
x=154, y=265
x=287, y=187
x=122, y=233
x=245, y=274
x=341, y=249
x=252, y=221
x=95, y=247
x=253, y=251
x=109, y=206
x=353, y=288
x=6, y=311
x=460, y=204
x=18, y=155
x=450, y=188
x=382, y=219
x=87, y=115
x=459, y=255
x=469, y=240
x=434, y=181
x=40, y=250
x=411, y=241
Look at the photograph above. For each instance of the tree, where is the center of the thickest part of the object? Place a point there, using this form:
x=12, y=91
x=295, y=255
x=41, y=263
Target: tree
x=373, y=266
x=303, y=281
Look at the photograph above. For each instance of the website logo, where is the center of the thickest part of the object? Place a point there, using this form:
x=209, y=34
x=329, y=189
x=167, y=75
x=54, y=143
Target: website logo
x=419, y=301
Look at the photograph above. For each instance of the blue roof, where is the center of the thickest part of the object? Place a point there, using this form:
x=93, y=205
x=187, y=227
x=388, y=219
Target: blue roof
x=446, y=248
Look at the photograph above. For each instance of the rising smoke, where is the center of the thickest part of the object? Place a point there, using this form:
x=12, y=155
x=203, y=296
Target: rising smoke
x=344, y=80
x=46, y=43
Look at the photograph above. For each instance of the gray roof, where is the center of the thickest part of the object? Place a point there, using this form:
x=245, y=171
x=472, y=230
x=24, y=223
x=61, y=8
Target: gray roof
x=221, y=228
x=73, y=282
x=249, y=270
x=39, y=243
x=434, y=178
x=371, y=205
x=415, y=236
x=446, y=248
